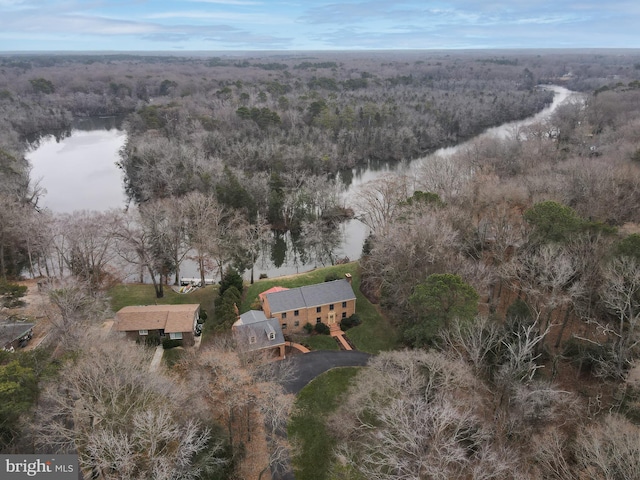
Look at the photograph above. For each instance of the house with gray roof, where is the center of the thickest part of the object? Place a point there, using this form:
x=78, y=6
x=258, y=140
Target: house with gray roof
x=254, y=332
x=15, y=334
x=327, y=302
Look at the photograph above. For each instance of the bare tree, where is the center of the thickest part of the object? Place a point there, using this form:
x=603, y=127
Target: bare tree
x=410, y=415
x=121, y=420
x=379, y=201
x=75, y=307
x=88, y=245
x=609, y=449
x=137, y=243
x=621, y=296
x=210, y=231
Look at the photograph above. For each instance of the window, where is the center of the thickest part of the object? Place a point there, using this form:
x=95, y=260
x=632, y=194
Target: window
x=143, y=332
x=344, y=314
x=296, y=323
x=318, y=320
x=252, y=339
x=175, y=336
x=344, y=304
x=296, y=313
x=318, y=309
x=331, y=307
x=284, y=326
x=272, y=336
x=284, y=315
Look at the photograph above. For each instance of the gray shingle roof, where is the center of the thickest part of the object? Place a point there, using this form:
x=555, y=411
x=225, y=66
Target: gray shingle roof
x=252, y=316
x=258, y=333
x=311, y=296
x=10, y=331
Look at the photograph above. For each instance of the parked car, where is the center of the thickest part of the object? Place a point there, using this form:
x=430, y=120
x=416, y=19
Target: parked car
x=198, y=330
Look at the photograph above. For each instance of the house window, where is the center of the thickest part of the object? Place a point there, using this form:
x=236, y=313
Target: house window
x=331, y=307
x=143, y=332
x=252, y=339
x=344, y=314
x=296, y=323
x=272, y=336
x=296, y=313
x=175, y=336
x=284, y=326
x=318, y=309
x=284, y=315
x=344, y=304
x=318, y=320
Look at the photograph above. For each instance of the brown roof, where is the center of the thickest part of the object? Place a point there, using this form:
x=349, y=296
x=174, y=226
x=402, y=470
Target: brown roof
x=271, y=290
x=171, y=318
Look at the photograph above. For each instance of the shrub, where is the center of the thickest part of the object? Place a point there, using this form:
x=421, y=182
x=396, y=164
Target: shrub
x=263, y=276
x=203, y=316
x=308, y=327
x=152, y=340
x=331, y=276
x=168, y=343
x=322, y=328
x=352, y=321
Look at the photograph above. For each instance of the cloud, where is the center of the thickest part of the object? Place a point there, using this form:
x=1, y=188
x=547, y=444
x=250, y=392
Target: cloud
x=259, y=18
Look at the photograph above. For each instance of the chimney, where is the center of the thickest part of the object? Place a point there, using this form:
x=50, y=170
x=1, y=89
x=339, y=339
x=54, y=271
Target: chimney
x=348, y=277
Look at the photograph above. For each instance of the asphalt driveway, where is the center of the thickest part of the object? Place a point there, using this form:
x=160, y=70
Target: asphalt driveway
x=309, y=365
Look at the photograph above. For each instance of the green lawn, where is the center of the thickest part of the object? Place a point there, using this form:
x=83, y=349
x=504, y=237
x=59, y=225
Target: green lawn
x=375, y=334
x=128, y=294
x=318, y=342
x=172, y=356
x=307, y=425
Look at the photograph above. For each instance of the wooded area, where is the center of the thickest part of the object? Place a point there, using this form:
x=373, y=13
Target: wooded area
x=511, y=267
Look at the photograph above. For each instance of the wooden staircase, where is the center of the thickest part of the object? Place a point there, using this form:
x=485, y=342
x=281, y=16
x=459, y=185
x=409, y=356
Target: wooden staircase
x=338, y=334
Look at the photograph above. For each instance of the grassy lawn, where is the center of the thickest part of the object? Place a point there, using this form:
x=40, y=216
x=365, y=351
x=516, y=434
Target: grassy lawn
x=172, y=356
x=375, y=334
x=318, y=342
x=307, y=425
x=128, y=294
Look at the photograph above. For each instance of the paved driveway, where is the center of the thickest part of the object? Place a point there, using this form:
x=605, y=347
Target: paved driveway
x=309, y=365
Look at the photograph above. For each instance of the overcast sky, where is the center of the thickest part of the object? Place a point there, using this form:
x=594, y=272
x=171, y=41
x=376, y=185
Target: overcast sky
x=134, y=25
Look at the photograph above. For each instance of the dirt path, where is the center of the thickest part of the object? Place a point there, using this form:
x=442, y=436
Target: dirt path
x=36, y=310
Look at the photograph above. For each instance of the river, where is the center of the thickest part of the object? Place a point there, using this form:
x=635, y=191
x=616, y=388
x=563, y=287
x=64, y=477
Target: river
x=79, y=172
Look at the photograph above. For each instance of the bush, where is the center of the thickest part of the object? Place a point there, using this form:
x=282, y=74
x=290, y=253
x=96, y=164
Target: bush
x=308, y=327
x=203, y=316
x=168, y=343
x=352, y=321
x=322, y=328
x=331, y=276
x=263, y=276
x=151, y=340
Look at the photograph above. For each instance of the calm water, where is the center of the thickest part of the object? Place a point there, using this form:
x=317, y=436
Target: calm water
x=79, y=173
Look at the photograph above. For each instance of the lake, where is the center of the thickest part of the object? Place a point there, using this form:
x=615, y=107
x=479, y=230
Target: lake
x=79, y=172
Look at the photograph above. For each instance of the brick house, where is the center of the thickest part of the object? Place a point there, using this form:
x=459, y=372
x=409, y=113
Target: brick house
x=176, y=322
x=327, y=302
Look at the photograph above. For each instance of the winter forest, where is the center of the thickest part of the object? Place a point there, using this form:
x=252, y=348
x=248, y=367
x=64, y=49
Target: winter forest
x=507, y=272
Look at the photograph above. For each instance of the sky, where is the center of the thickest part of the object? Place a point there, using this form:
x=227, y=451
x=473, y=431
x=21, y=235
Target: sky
x=230, y=25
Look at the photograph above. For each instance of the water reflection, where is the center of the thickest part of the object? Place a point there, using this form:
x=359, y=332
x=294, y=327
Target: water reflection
x=77, y=167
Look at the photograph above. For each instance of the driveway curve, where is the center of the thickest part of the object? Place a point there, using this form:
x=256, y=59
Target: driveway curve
x=309, y=365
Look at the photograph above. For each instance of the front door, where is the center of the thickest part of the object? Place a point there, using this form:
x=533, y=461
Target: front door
x=332, y=318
